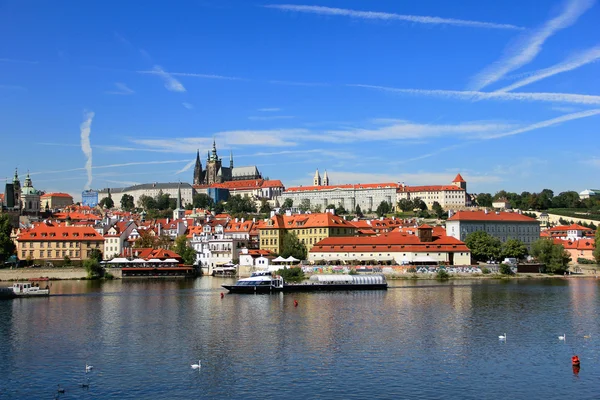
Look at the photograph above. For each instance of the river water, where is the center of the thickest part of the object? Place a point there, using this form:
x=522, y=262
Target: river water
x=422, y=340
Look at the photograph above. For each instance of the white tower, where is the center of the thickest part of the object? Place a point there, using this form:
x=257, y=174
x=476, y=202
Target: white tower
x=325, y=179
x=317, y=179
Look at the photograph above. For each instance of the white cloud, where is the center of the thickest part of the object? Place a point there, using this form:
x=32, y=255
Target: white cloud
x=272, y=109
x=292, y=83
x=85, y=130
x=192, y=75
x=530, y=44
x=171, y=83
x=270, y=118
x=593, y=162
x=187, y=167
x=128, y=164
x=189, y=106
x=569, y=64
x=123, y=89
x=499, y=96
x=373, y=15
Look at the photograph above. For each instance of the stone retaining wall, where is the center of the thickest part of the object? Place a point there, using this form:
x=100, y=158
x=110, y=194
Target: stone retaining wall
x=24, y=274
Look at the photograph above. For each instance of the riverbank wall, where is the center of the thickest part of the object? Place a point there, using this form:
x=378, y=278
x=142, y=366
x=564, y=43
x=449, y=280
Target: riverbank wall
x=25, y=274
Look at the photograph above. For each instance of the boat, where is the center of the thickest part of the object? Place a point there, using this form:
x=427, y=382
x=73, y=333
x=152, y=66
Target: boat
x=265, y=282
x=29, y=290
x=7, y=293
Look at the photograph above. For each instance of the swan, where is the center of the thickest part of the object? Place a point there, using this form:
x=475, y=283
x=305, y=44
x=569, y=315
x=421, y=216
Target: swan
x=502, y=337
x=197, y=366
x=88, y=368
x=587, y=336
x=563, y=337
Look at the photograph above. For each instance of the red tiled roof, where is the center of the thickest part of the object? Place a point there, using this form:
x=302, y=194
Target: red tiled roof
x=458, y=178
x=54, y=233
x=247, y=184
x=349, y=186
x=74, y=215
x=581, y=244
x=65, y=195
x=431, y=188
x=391, y=242
x=147, y=253
x=245, y=226
x=572, y=227
x=490, y=216
x=316, y=220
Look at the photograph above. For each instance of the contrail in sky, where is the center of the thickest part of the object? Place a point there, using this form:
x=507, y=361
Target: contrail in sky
x=86, y=147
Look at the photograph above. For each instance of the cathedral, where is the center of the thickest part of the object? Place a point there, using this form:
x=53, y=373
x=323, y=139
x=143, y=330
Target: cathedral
x=215, y=172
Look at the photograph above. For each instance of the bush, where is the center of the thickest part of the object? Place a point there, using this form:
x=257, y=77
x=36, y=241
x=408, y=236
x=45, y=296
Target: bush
x=485, y=270
x=353, y=272
x=93, y=268
x=442, y=274
x=294, y=274
x=506, y=269
x=585, y=261
x=411, y=270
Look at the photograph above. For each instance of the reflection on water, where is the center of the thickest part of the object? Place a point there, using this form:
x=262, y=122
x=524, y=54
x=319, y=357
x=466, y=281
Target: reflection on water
x=420, y=340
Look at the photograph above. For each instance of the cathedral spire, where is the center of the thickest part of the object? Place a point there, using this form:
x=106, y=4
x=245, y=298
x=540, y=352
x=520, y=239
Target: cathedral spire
x=179, y=197
x=198, y=169
x=325, y=179
x=317, y=179
x=16, y=178
x=230, y=159
x=214, y=151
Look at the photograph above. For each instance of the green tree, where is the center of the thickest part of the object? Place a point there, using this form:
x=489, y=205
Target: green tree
x=265, y=208
x=95, y=254
x=294, y=274
x=219, y=207
x=7, y=247
x=316, y=208
x=514, y=248
x=240, y=204
x=569, y=199
x=185, y=251
x=437, y=209
x=358, y=211
x=127, y=202
x=554, y=257
x=420, y=204
x=483, y=246
x=304, y=205
x=506, y=269
x=66, y=261
x=406, y=205
x=292, y=246
x=597, y=248
x=163, y=201
x=147, y=202
x=93, y=268
x=107, y=202
x=383, y=208
x=202, y=200
x=340, y=210
x=484, y=200
x=287, y=204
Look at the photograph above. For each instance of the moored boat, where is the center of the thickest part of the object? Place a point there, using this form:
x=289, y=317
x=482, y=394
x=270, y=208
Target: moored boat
x=264, y=282
x=29, y=290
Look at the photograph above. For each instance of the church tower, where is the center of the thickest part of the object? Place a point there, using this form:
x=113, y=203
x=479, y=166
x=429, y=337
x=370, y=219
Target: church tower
x=179, y=212
x=325, y=179
x=198, y=170
x=17, y=190
x=317, y=179
x=231, y=160
x=460, y=182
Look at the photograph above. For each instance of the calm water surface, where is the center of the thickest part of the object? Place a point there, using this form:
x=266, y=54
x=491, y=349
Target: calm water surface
x=423, y=340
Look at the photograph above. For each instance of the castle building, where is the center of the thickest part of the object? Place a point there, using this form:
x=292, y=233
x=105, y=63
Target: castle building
x=317, y=181
x=447, y=196
x=215, y=172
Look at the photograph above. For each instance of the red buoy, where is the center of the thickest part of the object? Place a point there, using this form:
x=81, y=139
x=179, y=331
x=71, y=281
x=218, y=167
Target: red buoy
x=575, y=361
x=222, y=295
x=295, y=303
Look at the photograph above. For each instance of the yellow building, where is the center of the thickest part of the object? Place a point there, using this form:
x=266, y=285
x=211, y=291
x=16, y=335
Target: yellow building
x=52, y=242
x=310, y=229
x=55, y=200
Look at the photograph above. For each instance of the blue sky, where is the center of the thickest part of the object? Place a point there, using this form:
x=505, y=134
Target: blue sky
x=506, y=93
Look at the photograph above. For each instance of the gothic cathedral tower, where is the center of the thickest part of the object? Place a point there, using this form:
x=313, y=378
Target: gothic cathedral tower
x=198, y=170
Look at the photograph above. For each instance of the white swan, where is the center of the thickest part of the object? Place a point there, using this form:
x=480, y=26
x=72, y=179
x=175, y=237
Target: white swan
x=587, y=336
x=88, y=368
x=197, y=366
x=502, y=337
x=563, y=337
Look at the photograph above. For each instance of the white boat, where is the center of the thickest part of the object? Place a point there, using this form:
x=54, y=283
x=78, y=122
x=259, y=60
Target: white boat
x=29, y=290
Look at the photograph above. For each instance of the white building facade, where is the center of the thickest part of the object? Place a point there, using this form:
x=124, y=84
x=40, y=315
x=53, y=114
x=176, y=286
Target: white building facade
x=151, y=190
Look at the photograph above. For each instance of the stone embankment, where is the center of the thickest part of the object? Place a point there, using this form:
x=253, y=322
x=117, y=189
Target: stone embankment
x=24, y=274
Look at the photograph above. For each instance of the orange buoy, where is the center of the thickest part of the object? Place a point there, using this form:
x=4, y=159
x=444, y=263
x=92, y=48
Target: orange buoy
x=575, y=361
x=222, y=295
x=295, y=303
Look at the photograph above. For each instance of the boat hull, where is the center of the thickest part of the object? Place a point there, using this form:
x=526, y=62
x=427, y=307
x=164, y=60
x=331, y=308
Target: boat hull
x=251, y=289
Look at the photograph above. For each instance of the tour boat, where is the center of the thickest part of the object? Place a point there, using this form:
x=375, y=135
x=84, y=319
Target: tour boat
x=264, y=282
x=29, y=290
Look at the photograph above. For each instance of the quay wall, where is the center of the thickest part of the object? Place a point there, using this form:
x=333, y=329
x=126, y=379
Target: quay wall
x=24, y=274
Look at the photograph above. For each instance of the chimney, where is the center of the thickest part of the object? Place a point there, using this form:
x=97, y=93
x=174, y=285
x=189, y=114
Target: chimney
x=242, y=221
x=254, y=220
x=236, y=220
x=288, y=213
x=159, y=228
x=486, y=211
x=450, y=213
x=167, y=220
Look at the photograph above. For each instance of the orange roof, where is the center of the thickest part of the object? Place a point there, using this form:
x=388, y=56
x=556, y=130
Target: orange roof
x=572, y=227
x=431, y=188
x=581, y=244
x=147, y=253
x=317, y=220
x=248, y=184
x=65, y=195
x=239, y=226
x=76, y=216
x=54, y=233
x=490, y=216
x=349, y=186
x=391, y=242
x=458, y=178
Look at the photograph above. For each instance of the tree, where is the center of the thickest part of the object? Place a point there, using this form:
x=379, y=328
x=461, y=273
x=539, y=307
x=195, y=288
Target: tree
x=304, y=205
x=569, y=199
x=93, y=268
x=554, y=256
x=294, y=274
x=107, y=202
x=597, y=248
x=316, y=208
x=147, y=202
x=240, y=204
x=291, y=246
x=383, y=208
x=163, y=201
x=287, y=204
x=185, y=251
x=127, y=202
x=95, y=254
x=202, y=200
x=437, y=209
x=514, y=248
x=484, y=200
x=420, y=204
x=340, y=210
x=146, y=240
x=358, y=211
x=219, y=207
x=506, y=269
x=483, y=246
x=405, y=205
x=265, y=208
x=7, y=247
x=66, y=261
